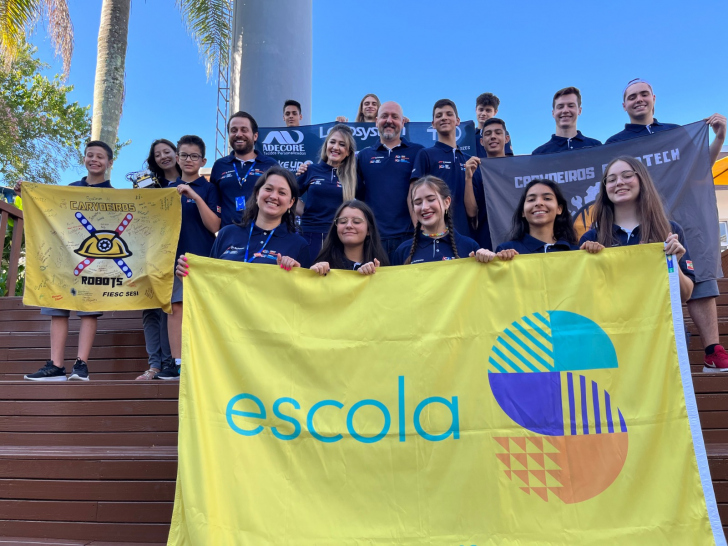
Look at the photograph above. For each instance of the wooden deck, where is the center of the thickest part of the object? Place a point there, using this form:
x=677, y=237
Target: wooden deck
x=95, y=463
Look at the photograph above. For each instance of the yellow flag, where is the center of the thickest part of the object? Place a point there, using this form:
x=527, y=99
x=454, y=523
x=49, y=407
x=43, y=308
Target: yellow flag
x=100, y=249
x=546, y=400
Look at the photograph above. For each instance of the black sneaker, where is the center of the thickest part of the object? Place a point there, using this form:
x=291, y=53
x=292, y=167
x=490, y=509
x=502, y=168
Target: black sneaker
x=169, y=373
x=49, y=372
x=79, y=372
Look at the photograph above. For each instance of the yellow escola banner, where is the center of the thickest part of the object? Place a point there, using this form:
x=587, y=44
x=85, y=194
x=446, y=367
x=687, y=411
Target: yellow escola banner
x=100, y=249
x=547, y=400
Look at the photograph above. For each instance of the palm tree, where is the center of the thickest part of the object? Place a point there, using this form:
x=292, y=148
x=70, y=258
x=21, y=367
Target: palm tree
x=17, y=19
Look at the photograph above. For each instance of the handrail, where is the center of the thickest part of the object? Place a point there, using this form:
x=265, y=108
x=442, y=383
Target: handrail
x=9, y=212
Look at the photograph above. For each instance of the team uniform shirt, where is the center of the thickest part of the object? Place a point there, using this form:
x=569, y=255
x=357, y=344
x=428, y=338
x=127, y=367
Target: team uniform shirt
x=448, y=163
x=235, y=181
x=194, y=237
x=559, y=144
x=261, y=246
x=634, y=130
x=433, y=250
x=624, y=238
x=531, y=245
x=324, y=194
x=384, y=181
x=82, y=182
x=480, y=151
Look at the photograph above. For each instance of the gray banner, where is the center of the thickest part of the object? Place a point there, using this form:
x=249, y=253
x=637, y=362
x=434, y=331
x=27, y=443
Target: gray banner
x=678, y=161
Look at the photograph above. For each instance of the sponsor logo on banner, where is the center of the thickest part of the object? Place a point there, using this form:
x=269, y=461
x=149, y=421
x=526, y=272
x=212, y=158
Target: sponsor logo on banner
x=284, y=142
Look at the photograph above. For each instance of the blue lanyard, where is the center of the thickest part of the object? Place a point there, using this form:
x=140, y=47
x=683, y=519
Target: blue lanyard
x=244, y=178
x=250, y=236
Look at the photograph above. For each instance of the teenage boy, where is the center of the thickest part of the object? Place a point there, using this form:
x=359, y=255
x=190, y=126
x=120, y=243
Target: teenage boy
x=235, y=175
x=639, y=103
x=97, y=158
x=200, y=222
x=486, y=107
x=445, y=160
x=384, y=171
x=292, y=113
x=566, y=109
x=493, y=140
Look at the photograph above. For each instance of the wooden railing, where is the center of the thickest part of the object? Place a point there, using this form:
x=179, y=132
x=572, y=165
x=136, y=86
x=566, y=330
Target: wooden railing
x=9, y=212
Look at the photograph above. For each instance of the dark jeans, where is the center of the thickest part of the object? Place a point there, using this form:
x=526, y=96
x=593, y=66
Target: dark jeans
x=392, y=244
x=156, y=337
x=315, y=241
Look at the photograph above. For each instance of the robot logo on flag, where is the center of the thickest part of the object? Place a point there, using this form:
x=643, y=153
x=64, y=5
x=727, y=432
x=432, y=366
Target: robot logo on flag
x=104, y=245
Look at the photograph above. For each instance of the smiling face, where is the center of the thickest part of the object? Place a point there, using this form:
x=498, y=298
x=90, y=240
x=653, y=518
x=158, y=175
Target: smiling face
x=190, y=159
x=639, y=103
x=274, y=197
x=622, y=183
x=352, y=227
x=291, y=116
x=566, y=110
x=369, y=107
x=389, y=121
x=337, y=149
x=445, y=120
x=241, y=136
x=165, y=156
x=430, y=207
x=541, y=207
x=96, y=161
x=493, y=138
x=484, y=113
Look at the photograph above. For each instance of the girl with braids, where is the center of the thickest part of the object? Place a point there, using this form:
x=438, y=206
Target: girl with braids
x=629, y=211
x=352, y=242
x=267, y=232
x=541, y=222
x=327, y=184
x=435, y=237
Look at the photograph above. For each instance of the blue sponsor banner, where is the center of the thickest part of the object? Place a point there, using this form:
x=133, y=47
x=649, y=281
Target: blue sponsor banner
x=291, y=146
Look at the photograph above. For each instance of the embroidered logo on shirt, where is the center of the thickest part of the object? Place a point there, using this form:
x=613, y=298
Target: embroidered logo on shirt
x=376, y=159
x=690, y=265
x=401, y=159
x=444, y=165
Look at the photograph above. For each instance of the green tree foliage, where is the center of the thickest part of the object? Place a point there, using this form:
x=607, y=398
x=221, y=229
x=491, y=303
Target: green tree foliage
x=40, y=132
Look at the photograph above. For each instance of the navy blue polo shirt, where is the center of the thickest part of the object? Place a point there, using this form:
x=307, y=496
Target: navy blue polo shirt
x=559, y=144
x=232, y=242
x=194, y=237
x=634, y=130
x=233, y=184
x=531, y=245
x=480, y=151
x=83, y=182
x=324, y=195
x=624, y=239
x=448, y=163
x=384, y=181
x=434, y=250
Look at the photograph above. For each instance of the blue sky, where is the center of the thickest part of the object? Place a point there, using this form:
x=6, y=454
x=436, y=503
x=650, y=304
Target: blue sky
x=418, y=51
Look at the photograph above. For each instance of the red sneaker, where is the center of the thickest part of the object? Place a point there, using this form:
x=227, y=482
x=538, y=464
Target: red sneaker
x=717, y=362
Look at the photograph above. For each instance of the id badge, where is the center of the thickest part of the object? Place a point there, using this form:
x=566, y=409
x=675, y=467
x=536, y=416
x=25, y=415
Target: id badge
x=239, y=203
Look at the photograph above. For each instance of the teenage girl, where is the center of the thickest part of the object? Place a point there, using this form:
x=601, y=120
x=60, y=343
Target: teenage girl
x=629, y=211
x=327, y=184
x=353, y=241
x=267, y=232
x=541, y=222
x=162, y=161
x=435, y=237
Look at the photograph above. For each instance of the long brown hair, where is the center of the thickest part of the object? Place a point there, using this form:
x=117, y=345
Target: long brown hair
x=654, y=225
x=439, y=185
x=360, y=113
x=251, y=211
x=346, y=171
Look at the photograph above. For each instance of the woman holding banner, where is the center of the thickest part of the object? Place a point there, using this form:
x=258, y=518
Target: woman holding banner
x=353, y=242
x=541, y=222
x=629, y=211
x=267, y=232
x=327, y=184
x=435, y=237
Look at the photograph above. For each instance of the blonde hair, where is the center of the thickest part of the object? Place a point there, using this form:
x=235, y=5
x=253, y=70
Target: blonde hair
x=346, y=171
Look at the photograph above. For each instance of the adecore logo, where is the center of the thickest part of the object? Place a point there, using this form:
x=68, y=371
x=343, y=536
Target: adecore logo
x=284, y=142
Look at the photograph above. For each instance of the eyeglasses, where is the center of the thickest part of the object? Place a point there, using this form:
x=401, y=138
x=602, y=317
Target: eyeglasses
x=194, y=157
x=344, y=220
x=626, y=176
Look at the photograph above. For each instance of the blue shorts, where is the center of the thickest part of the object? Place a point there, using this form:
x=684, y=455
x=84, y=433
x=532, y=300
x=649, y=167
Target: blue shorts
x=66, y=313
x=705, y=289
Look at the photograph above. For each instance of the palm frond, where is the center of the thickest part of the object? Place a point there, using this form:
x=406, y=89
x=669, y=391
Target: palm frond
x=60, y=29
x=208, y=22
x=15, y=17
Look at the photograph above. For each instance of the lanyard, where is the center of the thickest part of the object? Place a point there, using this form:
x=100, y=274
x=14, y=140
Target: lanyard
x=250, y=236
x=244, y=178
